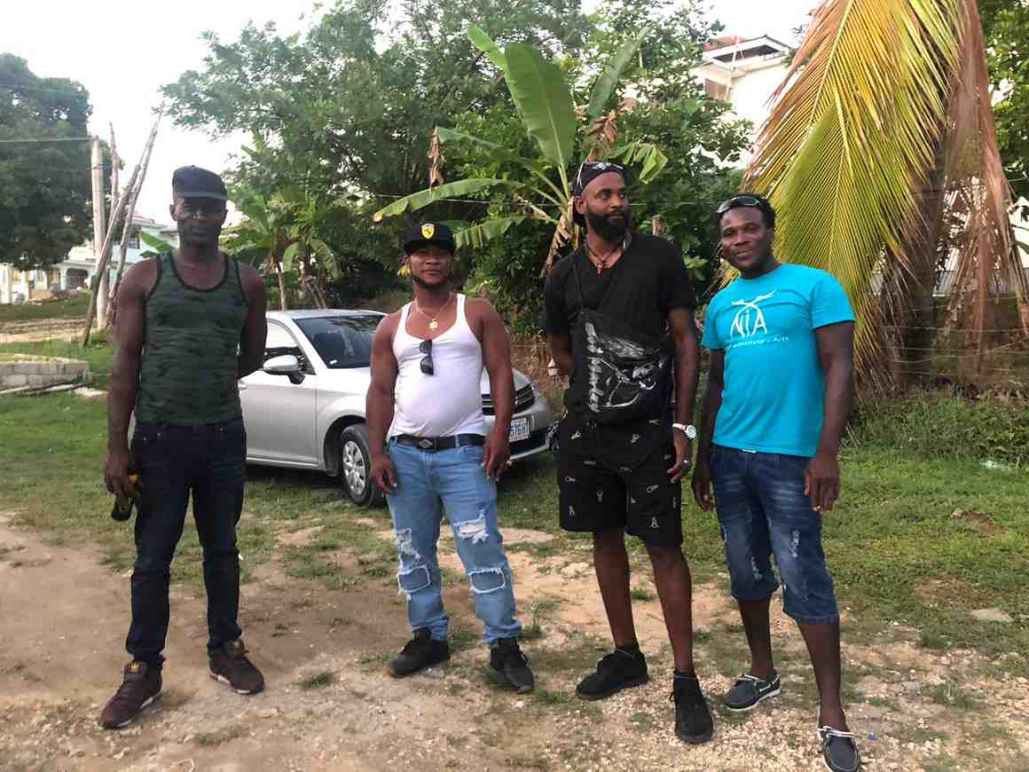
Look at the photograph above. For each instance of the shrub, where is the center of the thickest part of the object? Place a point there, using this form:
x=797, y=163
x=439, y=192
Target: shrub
x=941, y=425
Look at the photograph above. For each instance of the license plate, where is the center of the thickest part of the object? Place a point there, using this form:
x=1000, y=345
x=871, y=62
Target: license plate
x=519, y=429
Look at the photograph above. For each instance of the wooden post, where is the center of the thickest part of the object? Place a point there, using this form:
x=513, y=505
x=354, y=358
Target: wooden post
x=99, y=286
x=127, y=228
x=115, y=191
x=103, y=258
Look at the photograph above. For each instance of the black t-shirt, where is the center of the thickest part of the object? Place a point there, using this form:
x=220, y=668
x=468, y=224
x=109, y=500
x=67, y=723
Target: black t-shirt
x=647, y=282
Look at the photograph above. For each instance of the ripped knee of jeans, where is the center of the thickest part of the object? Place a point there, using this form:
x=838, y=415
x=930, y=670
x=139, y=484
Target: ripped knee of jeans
x=413, y=580
x=795, y=543
x=404, y=540
x=474, y=530
x=487, y=580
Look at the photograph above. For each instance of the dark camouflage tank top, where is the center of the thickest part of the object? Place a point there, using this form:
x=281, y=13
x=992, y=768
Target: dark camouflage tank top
x=190, y=349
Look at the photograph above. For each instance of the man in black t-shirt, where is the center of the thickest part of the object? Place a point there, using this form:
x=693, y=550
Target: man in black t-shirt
x=619, y=322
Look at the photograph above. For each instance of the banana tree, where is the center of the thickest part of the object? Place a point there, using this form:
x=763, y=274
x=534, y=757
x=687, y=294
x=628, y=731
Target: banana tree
x=543, y=99
x=261, y=237
x=882, y=120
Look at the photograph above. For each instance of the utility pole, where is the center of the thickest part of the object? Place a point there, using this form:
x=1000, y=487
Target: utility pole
x=100, y=283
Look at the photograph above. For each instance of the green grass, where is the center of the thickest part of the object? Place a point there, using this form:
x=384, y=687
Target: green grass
x=895, y=550
x=69, y=308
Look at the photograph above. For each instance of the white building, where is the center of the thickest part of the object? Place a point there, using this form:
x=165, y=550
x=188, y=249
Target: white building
x=79, y=267
x=744, y=73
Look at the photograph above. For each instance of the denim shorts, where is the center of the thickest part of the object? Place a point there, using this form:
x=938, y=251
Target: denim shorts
x=763, y=511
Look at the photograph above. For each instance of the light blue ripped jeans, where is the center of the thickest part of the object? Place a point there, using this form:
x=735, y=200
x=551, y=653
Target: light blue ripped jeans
x=429, y=483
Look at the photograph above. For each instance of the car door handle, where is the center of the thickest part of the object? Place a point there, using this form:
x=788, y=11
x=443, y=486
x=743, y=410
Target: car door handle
x=242, y=386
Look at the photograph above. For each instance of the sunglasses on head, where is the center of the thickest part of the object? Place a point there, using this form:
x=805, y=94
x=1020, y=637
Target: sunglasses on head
x=425, y=347
x=735, y=201
x=602, y=166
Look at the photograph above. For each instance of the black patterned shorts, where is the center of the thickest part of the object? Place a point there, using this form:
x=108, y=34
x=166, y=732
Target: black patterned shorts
x=597, y=494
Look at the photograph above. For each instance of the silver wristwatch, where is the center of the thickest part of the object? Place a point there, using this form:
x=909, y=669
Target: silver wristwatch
x=688, y=429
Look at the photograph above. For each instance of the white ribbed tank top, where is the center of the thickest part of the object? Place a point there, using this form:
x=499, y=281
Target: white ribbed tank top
x=449, y=401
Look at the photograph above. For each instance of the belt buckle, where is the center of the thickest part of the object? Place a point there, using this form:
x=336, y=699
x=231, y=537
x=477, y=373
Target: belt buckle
x=426, y=444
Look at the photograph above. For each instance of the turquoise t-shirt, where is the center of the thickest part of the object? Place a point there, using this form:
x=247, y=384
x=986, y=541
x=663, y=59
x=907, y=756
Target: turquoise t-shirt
x=774, y=395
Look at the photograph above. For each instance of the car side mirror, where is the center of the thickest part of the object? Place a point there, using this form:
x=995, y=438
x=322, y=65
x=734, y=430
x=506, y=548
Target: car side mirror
x=287, y=365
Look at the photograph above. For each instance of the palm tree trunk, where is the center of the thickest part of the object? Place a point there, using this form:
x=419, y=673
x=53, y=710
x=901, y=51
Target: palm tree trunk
x=917, y=332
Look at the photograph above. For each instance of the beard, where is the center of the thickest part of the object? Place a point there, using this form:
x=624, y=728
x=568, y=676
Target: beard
x=610, y=227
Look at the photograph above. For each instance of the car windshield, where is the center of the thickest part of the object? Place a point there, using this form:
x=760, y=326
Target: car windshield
x=342, y=341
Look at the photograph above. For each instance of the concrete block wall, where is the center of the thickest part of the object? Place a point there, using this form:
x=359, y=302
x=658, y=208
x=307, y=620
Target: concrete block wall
x=40, y=373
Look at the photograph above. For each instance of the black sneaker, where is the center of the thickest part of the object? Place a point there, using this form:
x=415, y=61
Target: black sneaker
x=140, y=686
x=749, y=690
x=618, y=670
x=693, y=723
x=507, y=659
x=229, y=665
x=419, y=653
x=839, y=750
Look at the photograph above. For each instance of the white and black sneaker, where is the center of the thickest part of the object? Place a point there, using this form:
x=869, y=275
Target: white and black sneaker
x=839, y=749
x=749, y=690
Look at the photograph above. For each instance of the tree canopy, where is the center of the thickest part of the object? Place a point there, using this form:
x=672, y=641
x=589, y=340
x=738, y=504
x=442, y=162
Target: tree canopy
x=45, y=206
x=348, y=110
x=1006, y=28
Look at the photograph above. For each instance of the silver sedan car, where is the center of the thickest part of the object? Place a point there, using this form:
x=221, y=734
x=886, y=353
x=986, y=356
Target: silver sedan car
x=305, y=408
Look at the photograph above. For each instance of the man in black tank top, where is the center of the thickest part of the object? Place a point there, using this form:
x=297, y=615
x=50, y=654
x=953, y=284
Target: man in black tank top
x=188, y=326
x=619, y=322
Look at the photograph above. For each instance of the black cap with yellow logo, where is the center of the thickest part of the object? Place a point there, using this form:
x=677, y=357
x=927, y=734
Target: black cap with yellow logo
x=429, y=233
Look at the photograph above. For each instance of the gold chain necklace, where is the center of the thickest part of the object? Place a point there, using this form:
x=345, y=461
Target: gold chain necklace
x=433, y=320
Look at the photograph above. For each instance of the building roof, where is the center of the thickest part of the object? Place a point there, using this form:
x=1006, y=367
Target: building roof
x=733, y=48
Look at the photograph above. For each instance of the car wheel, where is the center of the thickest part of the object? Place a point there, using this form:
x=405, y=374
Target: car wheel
x=355, y=466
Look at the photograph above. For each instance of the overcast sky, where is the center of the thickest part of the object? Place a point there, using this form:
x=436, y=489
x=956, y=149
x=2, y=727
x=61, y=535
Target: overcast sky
x=124, y=50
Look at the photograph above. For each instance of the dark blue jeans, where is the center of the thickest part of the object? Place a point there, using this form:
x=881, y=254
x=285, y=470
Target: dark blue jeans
x=763, y=512
x=209, y=462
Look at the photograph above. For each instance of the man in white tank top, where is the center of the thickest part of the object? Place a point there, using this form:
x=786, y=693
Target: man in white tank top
x=427, y=359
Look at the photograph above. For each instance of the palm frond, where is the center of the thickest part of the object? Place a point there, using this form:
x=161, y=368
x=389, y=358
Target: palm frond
x=852, y=137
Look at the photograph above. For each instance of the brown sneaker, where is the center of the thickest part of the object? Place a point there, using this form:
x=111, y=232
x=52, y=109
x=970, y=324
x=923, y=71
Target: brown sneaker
x=230, y=665
x=140, y=687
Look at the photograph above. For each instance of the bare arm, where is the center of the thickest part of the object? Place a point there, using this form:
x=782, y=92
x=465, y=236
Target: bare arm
x=708, y=414
x=496, y=354
x=379, y=403
x=255, y=329
x=121, y=393
x=836, y=356
x=687, y=359
x=561, y=352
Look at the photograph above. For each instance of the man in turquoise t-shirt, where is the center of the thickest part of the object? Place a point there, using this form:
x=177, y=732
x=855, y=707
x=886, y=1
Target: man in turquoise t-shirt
x=777, y=400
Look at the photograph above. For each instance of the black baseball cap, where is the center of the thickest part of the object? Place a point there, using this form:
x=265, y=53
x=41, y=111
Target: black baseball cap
x=589, y=171
x=194, y=182
x=429, y=233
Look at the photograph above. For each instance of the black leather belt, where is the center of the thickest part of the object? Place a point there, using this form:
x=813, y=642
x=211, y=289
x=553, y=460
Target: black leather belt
x=440, y=443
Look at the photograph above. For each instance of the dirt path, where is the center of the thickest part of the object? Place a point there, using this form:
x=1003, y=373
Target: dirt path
x=329, y=705
x=40, y=329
